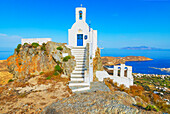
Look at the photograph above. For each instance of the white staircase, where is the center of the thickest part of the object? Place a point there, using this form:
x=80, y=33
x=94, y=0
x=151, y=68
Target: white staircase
x=77, y=82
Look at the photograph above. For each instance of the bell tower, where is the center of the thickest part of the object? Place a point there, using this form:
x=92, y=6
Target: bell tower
x=80, y=14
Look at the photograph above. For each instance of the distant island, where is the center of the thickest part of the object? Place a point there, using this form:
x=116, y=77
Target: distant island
x=141, y=48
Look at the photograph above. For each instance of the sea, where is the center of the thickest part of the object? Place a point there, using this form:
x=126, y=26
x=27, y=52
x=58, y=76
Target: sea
x=161, y=59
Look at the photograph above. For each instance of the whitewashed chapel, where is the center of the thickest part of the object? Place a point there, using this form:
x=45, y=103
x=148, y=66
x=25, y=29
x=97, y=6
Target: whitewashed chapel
x=82, y=40
x=83, y=43
x=80, y=33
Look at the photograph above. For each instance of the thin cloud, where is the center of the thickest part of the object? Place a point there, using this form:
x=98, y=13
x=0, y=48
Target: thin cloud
x=3, y=34
x=9, y=41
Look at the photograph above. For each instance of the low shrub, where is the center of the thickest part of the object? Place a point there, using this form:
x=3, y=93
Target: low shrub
x=58, y=69
x=35, y=45
x=56, y=73
x=11, y=80
x=25, y=44
x=19, y=46
x=152, y=107
x=58, y=62
x=59, y=48
x=140, y=105
x=41, y=73
x=163, y=106
x=20, y=63
x=115, y=84
x=65, y=59
x=48, y=78
x=43, y=47
x=17, y=50
x=122, y=87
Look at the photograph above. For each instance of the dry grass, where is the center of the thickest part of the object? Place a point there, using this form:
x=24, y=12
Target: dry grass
x=20, y=84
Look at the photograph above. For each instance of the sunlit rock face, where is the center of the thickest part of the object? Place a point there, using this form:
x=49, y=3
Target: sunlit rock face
x=31, y=60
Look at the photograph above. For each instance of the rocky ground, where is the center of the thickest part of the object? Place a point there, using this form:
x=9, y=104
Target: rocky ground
x=122, y=60
x=98, y=100
x=4, y=73
x=32, y=98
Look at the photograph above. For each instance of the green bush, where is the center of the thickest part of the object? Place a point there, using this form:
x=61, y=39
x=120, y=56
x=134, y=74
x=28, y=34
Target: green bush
x=58, y=69
x=56, y=73
x=65, y=59
x=41, y=73
x=59, y=48
x=147, y=88
x=140, y=105
x=43, y=47
x=17, y=50
x=19, y=46
x=48, y=78
x=20, y=63
x=25, y=44
x=11, y=80
x=58, y=62
x=152, y=107
x=35, y=45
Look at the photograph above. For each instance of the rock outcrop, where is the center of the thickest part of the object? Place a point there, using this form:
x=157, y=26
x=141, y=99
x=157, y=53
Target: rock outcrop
x=30, y=60
x=122, y=60
x=97, y=64
x=97, y=100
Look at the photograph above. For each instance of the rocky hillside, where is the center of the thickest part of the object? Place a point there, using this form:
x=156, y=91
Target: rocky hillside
x=98, y=100
x=120, y=60
x=40, y=76
x=33, y=59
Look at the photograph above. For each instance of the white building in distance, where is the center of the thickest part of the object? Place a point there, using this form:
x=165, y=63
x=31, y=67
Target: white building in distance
x=35, y=40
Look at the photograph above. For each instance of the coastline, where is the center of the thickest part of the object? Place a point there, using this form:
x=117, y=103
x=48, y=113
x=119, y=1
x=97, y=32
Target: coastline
x=109, y=60
x=162, y=69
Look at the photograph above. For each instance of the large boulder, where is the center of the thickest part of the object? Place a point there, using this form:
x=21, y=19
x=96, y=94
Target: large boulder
x=29, y=60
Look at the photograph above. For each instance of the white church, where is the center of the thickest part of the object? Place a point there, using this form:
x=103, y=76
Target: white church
x=82, y=40
x=80, y=33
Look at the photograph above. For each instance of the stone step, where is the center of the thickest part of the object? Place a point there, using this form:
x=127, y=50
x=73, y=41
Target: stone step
x=81, y=89
x=80, y=58
x=78, y=50
x=78, y=54
x=80, y=66
x=78, y=84
x=77, y=79
x=80, y=69
x=80, y=61
x=77, y=72
x=77, y=76
x=80, y=47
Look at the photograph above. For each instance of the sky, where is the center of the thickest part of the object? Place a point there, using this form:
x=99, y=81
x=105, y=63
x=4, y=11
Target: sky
x=120, y=23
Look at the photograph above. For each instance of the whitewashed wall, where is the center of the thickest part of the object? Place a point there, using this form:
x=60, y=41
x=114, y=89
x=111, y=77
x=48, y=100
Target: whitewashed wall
x=35, y=40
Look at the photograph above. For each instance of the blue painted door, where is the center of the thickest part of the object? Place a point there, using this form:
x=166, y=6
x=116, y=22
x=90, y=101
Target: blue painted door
x=79, y=39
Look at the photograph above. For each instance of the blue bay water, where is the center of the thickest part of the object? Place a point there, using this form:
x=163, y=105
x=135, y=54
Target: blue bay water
x=5, y=54
x=161, y=59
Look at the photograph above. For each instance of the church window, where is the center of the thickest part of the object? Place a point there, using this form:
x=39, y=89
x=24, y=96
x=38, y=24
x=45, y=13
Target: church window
x=80, y=15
